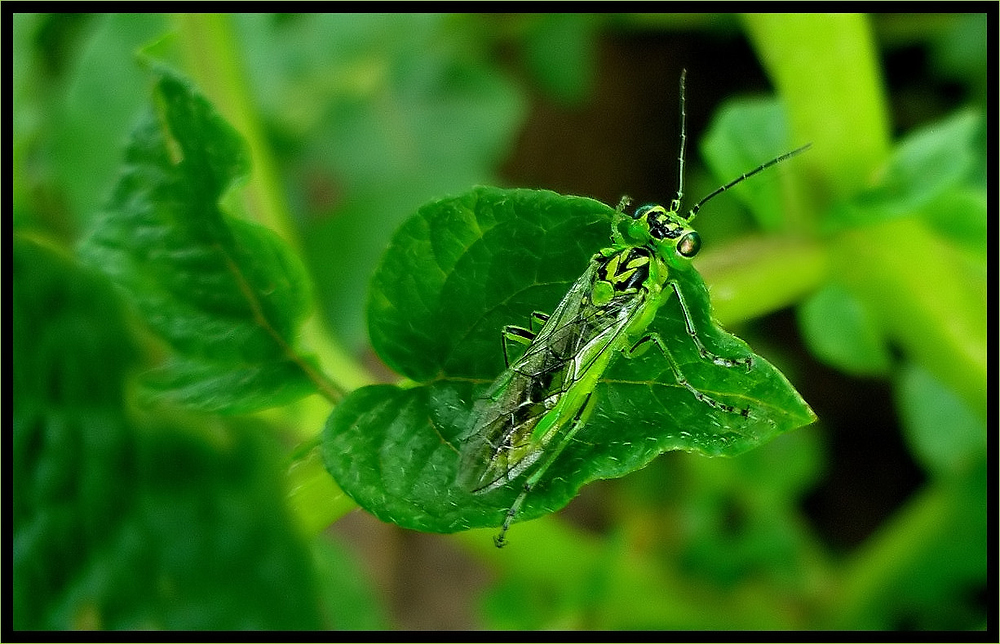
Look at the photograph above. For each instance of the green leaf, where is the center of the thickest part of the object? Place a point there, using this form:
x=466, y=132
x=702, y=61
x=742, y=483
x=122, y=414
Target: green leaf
x=943, y=432
x=463, y=267
x=962, y=215
x=841, y=331
x=922, y=167
x=228, y=295
x=927, y=298
x=133, y=523
x=458, y=271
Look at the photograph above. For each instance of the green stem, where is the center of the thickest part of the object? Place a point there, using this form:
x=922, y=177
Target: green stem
x=756, y=276
x=904, y=548
x=826, y=70
x=210, y=47
x=314, y=497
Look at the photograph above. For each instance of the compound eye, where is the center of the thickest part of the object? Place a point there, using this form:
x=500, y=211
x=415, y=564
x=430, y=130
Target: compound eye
x=689, y=244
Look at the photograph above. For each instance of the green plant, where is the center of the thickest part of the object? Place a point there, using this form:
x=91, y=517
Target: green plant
x=167, y=465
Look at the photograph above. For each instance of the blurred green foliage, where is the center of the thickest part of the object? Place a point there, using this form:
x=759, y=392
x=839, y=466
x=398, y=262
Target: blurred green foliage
x=128, y=521
x=132, y=512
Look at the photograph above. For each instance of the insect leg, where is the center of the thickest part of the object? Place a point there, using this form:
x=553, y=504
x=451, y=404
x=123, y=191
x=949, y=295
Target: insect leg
x=616, y=235
x=538, y=316
x=521, y=335
x=702, y=350
x=517, y=334
x=500, y=539
x=681, y=380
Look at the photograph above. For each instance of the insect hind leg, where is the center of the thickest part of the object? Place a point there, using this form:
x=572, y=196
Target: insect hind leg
x=714, y=358
x=578, y=419
x=679, y=376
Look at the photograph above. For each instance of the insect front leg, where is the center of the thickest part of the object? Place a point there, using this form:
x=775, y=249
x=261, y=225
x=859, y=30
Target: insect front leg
x=521, y=335
x=679, y=376
x=538, y=316
x=616, y=220
x=702, y=350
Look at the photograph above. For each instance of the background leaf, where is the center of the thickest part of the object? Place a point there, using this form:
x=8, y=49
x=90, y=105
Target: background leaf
x=922, y=167
x=843, y=332
x=125, y=522
x=944, y=433
x=743, y=135
x=559, y=52
x=387, y=111
x=87, y=96
x=226, y=294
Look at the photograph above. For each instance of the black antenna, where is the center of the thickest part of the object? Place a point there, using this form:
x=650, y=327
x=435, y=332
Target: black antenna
x=676, y=205
x=760, y=168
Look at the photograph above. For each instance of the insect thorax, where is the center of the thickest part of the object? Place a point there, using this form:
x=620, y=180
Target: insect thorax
x=624, y=272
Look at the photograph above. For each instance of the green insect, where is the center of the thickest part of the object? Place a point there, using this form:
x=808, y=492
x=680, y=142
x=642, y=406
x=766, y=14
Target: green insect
x=542, y=399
